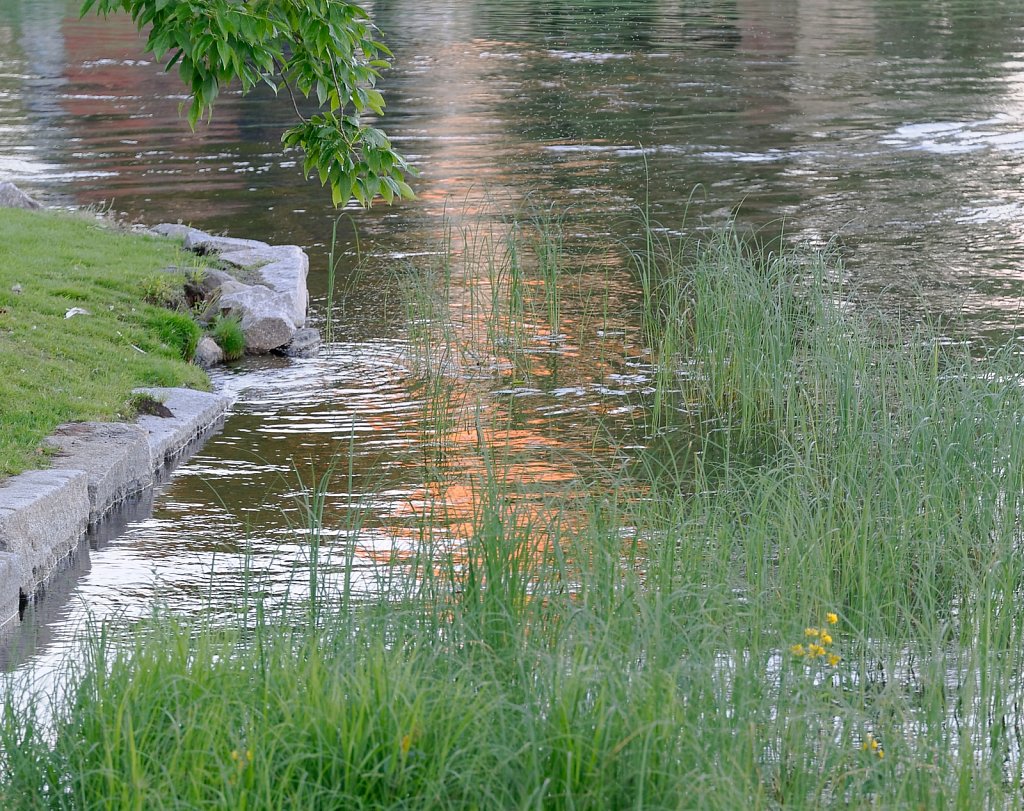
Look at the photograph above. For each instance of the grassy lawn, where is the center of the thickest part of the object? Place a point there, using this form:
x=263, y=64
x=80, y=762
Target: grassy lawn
x=55, y=369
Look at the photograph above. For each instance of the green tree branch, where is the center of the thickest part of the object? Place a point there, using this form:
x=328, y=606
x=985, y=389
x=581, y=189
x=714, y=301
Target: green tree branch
x=324, y=48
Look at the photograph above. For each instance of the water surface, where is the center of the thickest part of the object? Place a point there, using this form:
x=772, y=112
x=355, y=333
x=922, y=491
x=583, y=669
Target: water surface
x=889, y=130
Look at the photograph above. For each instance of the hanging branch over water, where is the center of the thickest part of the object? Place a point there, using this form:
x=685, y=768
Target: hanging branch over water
x=321, y=48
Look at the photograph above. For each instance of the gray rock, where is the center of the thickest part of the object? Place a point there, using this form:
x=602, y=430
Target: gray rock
x=208, y=354
x=115, y=456
x=171, y=229
x=304, y=344
x=13, y=197
x=266, y=319
x=221, y=284
x=214, y=279
x=282, y=268
x=200, y=242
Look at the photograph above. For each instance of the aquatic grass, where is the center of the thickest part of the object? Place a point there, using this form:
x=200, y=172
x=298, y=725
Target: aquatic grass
x=493, y=288
x=548, y=248
x=626, y=641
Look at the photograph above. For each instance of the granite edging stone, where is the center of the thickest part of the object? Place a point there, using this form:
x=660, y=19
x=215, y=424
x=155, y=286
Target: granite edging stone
x=96, y=466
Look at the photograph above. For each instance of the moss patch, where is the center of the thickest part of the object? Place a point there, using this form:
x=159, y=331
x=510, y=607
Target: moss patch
x=55, y=369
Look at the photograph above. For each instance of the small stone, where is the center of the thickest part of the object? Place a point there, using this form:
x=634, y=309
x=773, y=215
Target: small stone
x=304, y=344
x=15, y=288
x=208, y=353
x=13, y=197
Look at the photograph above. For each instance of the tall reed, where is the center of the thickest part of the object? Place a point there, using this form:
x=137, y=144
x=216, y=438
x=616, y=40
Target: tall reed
x=646, y=640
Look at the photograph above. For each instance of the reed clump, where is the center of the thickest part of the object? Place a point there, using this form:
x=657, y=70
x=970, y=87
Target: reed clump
x=818, y=604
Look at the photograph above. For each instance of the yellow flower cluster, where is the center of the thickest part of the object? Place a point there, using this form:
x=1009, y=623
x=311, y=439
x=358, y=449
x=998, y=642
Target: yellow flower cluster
x=242, y=760
x=872, y=745
x=819, y=646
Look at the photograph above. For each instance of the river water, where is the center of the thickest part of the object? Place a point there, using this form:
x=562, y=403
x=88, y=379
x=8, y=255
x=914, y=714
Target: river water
x=891, y=131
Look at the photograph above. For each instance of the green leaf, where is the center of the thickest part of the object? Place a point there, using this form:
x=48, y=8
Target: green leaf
x=324, y=47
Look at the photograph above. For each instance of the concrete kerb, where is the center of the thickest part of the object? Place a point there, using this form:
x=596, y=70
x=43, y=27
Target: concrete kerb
x=195, y=412
x=45, y=513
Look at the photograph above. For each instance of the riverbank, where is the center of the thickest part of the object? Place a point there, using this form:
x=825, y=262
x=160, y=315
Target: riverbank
x=140, y=308
x=59, y=364
x=82, y=344
x=804, y=593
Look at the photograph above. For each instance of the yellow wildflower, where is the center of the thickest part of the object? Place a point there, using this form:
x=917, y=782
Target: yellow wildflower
x=248, y=755
x=234, y=754
x=832, y=618
x=815, y=650
x=833, y=659
x=871, y=744
x=797, y=650
x=406, y=743
x=811, y=632
x=826, y=639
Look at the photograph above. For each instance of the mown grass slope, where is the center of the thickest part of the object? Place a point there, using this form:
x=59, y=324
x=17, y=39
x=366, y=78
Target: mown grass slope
x=55, y=369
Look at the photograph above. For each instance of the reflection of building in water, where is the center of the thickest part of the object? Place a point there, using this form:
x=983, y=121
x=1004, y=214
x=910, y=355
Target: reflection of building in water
x=31, y=78
x=41, y=41
x=141, y=133
x=812, y=35
x=454, y=122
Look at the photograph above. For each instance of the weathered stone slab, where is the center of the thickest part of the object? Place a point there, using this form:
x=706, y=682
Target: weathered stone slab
x=43, y=513
x=201, y=242
x=115, y=456
x=171, y=229
x=194, y=412
x=13, y=197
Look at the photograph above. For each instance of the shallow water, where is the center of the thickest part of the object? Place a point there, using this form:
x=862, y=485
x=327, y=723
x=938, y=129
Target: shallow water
x=890, y=130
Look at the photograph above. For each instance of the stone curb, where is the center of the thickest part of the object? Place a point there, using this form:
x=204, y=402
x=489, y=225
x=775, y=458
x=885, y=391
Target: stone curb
x=45, y=513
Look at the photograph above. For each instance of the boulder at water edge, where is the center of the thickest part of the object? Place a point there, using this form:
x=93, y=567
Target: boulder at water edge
x=13, y=197
x=272, y=309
